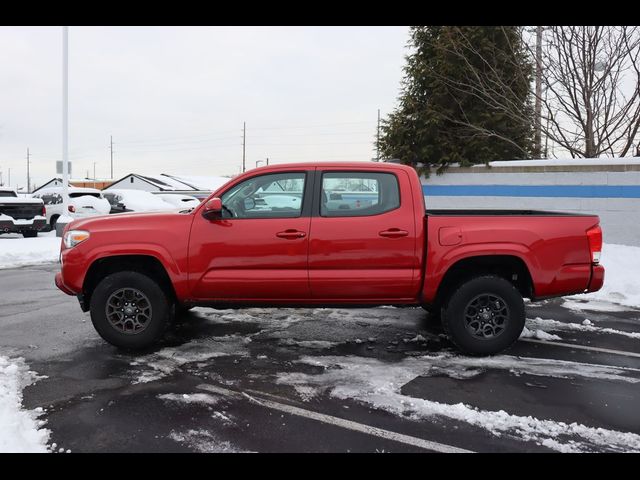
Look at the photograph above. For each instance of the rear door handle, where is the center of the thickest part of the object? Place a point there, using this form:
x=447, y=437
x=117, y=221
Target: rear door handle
x=393, y=233
x=291, y=234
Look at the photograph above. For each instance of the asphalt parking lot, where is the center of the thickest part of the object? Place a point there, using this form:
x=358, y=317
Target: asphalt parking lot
x=326, y=380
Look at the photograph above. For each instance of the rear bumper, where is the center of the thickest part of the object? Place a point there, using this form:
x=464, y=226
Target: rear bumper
x=597, y=278
x=9, y=226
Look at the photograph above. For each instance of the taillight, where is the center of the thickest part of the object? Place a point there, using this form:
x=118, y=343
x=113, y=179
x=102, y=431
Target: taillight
x=71, y=208
x=44, y=211
x=594, y=234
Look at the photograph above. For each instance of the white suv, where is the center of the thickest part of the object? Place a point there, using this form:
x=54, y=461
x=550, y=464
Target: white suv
x=81, y=202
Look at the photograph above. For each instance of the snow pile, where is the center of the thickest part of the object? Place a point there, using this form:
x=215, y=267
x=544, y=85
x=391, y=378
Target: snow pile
x=379, y=384
x=539, y=334
x=18, y=251
x=19, y=429
x=621, y=285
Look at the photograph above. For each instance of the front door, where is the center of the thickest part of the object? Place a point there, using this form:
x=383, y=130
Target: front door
x=257, y=250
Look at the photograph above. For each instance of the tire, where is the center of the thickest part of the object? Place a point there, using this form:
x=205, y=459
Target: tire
x=144, y=296
x=52, y=221
x=484, y=315
x=29, y=234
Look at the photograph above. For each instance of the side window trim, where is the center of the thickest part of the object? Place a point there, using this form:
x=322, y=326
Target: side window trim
x=319, y=185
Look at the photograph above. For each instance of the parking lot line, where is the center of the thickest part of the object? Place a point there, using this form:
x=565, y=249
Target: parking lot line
x=582, y=347
x=336, y=421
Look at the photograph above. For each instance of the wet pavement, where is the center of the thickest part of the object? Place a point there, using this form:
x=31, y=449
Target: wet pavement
x=325, y=380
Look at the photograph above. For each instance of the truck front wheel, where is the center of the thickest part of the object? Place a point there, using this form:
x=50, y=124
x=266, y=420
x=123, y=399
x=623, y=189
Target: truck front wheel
x=484, y=315
x=129, y=310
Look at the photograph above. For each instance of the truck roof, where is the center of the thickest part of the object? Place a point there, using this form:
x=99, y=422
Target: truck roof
x=334, y=164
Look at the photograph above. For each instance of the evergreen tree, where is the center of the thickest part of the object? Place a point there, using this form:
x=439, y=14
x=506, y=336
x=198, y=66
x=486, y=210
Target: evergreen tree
x=465, y=98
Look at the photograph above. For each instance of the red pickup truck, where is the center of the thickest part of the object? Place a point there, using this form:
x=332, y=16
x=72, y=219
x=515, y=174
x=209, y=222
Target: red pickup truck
x=328, y=234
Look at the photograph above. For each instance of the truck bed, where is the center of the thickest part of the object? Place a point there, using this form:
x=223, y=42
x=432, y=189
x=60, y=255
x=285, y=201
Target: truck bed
x=503, y=213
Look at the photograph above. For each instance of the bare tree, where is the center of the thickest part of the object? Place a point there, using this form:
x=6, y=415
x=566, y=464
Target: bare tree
x=586, y=92
x=591, y=83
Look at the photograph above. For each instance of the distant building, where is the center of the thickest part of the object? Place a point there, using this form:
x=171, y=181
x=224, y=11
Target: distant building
x=196, y=186
x=155, y=183
x=80, y=183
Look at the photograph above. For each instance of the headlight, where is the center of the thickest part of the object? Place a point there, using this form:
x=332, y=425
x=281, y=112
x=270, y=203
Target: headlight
x=74, y=237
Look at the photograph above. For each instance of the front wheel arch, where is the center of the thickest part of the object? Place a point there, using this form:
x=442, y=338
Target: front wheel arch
x=144, y=264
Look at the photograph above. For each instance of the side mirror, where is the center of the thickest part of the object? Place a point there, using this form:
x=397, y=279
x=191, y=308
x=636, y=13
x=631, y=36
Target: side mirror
x=212, y=209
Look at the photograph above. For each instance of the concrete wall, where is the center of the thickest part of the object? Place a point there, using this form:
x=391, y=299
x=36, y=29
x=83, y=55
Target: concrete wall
x=611, y=191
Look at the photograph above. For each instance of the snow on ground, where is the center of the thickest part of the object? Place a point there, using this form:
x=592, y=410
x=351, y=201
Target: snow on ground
x=586, y=326
x=20, y=429
x=584, y=303
x=621, y=285
x=203, y=441
x=378, y=384
x=162, y=363
x=199, y=398
x=16, y=251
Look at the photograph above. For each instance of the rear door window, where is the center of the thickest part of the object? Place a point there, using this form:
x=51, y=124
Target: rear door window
x=352, y=194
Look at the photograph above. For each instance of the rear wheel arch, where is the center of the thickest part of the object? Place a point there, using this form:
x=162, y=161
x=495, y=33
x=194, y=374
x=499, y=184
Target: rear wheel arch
x=510, y=267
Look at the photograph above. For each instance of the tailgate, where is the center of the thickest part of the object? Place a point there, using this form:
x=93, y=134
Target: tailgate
x=21, y=211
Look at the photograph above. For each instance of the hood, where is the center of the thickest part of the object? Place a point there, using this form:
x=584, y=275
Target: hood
x=121, y=221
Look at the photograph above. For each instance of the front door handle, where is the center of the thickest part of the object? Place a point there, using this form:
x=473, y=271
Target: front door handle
x=393, y=233
x=291, y=234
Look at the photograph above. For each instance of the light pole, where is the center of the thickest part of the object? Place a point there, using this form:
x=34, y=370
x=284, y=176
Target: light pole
x=65, y=119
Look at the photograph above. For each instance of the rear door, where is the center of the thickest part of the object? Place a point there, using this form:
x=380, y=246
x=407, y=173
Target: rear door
x=363, y=238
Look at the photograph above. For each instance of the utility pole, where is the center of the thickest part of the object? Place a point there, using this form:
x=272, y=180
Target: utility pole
x=28, y=175
x=267, y=160
x=538, y=105
x=378, y=139
x=94, y=174
x=244, y=140
x=111, y=149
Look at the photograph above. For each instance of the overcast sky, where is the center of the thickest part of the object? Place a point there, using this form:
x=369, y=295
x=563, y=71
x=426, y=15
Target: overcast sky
x=174, y=98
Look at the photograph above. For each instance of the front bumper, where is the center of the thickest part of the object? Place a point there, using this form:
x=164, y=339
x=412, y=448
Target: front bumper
x=60, y=284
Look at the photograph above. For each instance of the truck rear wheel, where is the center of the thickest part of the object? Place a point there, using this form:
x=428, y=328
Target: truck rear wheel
x=484, y=315
x=29, y=233
x=129, y=310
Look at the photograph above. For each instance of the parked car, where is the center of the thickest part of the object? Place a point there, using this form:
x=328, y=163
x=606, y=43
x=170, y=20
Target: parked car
x=20, y=214
x=179, y=201
x=81, y=203
x=116, y=202
x=129, y=200
x=470, y=268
